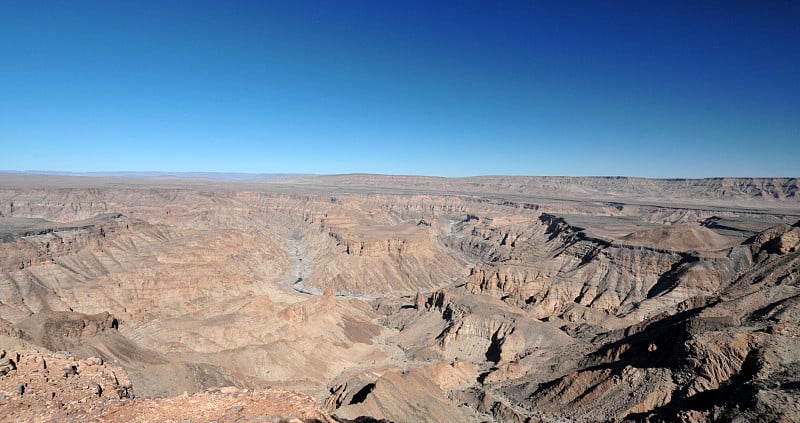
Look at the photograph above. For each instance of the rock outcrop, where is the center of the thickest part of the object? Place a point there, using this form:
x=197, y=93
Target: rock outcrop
x=59, y=387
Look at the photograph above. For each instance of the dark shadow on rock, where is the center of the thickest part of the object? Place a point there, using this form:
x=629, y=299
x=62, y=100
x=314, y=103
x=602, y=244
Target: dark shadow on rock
x=361, y=395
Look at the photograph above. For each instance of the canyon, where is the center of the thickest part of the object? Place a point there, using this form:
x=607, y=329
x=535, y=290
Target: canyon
x=400, y=298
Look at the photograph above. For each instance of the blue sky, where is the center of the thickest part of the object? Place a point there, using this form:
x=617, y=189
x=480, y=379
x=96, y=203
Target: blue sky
x=639, y=88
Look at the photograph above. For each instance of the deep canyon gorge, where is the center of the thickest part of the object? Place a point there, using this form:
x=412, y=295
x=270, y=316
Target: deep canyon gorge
x=401, y=298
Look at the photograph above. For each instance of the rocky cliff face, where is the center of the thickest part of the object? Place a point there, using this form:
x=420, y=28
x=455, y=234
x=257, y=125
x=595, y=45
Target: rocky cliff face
x=550, y=268
x=713, y=358
x=375, y=260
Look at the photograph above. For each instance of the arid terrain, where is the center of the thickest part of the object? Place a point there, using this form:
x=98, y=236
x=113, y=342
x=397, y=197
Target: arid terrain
x=409, y=299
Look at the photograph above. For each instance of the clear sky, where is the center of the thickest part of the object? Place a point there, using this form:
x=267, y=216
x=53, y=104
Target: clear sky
x=635, y=88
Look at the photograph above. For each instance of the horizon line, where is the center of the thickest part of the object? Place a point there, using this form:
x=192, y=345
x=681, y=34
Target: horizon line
x=222, y=175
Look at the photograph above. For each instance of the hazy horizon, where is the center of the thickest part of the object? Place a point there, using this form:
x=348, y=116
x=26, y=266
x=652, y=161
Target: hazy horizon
x=656, y=90
x=261, y=176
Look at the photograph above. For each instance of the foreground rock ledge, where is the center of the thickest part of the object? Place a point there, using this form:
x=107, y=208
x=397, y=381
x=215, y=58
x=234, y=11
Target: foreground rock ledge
x=56, y=387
